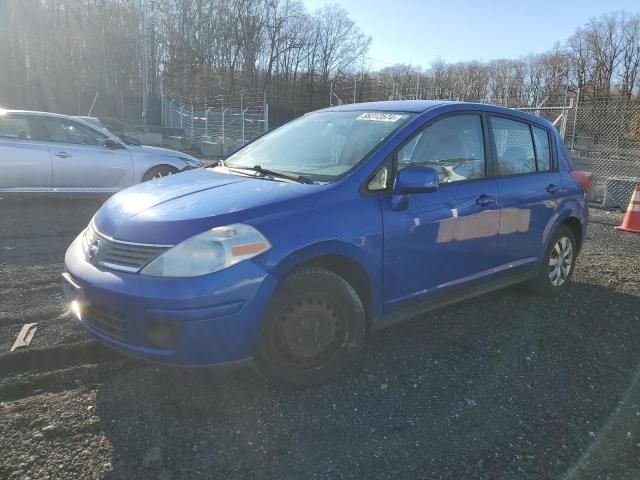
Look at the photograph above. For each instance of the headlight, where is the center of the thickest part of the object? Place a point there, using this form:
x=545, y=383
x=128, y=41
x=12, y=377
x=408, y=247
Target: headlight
x=208, y=252
x=88, y=237
x=191, y=162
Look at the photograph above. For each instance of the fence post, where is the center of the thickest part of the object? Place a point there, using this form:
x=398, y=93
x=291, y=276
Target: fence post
x=164, y=112
x=242, y=115
x=575, y=119
x=242, y=118
x=266, y=117
x=206, y=120
x=181, y=114
x=563, y=121
x=193, y=121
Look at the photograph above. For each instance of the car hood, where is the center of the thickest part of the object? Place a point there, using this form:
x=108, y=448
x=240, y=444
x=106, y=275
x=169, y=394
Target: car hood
x=156, y=151
x=171, y=209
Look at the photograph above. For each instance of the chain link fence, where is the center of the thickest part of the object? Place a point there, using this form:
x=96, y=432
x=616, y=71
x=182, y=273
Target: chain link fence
x=604, y=139
x=216, y=125
x=602, y=136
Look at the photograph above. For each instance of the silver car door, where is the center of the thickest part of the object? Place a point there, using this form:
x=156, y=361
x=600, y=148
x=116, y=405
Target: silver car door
x=25, y=163
x=81, y=160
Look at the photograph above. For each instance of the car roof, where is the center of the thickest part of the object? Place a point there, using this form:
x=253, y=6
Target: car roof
x=412, y=106
x=34, y=112
x=83, y=120
x=441, y=106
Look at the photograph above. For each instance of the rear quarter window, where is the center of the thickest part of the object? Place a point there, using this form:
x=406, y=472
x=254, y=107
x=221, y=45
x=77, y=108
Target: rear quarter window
x=15, y=127
x=543, y=152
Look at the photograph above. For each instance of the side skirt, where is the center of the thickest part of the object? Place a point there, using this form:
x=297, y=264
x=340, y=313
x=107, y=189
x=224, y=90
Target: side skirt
x=431, y=301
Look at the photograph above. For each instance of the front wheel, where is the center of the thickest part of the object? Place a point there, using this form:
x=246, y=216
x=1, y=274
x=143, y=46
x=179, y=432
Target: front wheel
x=558, y=264
x=312, y=331
x=159, y=172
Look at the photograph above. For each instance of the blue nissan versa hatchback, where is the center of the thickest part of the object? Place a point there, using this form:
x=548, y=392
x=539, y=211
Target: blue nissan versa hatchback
x=342, y=221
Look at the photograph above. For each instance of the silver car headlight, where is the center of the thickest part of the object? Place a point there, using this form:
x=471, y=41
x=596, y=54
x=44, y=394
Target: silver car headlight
x=191, y=162
x=209, y=252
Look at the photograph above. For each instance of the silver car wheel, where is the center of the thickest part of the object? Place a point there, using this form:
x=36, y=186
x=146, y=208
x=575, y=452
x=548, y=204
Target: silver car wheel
x=560, y=261
x=162, y=173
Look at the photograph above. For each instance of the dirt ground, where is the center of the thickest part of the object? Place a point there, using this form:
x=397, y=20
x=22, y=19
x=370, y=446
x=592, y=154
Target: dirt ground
x=506, y=386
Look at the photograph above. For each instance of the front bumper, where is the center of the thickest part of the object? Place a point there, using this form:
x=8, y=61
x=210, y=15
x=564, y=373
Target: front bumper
x=217, y=316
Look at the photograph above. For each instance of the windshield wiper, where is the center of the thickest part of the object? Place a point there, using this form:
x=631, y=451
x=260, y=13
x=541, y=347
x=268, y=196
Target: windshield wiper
x=273, y=173
x=266, y=172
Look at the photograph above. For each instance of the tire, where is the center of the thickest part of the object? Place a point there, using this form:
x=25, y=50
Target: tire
x=313, y=330
x=158, y=172
x=553, y=278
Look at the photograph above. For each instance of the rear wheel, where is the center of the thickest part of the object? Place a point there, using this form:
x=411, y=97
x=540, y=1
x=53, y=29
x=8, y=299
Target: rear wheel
x=559, y=262
x=313, y=329
x=159, y=172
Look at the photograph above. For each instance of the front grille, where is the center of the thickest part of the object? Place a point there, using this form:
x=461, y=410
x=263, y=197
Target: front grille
x=117, y=254
x=106, y=321
x=126, y=256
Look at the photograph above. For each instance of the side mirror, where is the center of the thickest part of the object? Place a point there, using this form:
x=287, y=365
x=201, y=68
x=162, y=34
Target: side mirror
x=415, y=180
x=112, y=144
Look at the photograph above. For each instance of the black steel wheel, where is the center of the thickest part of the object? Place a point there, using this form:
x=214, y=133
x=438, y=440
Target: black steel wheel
x=313, y=329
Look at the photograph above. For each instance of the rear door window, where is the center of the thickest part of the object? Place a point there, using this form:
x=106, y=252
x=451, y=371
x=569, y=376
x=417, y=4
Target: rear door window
x=514, y=146
x=16, y=127
x=67, y=131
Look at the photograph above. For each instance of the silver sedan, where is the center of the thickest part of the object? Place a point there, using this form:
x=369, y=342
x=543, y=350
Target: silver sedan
x=47, y=152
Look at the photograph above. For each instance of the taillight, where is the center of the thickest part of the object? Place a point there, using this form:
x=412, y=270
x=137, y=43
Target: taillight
x=581, y=178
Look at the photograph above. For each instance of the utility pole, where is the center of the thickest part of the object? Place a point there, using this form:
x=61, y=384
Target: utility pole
x=145, y=65
x=147, y=21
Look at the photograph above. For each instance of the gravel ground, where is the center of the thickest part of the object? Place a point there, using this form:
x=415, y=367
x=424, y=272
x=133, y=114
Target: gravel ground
x=34, y=235
x=509, y=385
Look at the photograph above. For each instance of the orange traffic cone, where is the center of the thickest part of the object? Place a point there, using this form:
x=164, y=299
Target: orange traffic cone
x=631, y=222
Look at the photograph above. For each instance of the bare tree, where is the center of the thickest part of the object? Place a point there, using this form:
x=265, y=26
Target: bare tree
x=630, y=63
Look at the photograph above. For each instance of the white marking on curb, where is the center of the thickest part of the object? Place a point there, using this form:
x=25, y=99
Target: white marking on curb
x=25, y=336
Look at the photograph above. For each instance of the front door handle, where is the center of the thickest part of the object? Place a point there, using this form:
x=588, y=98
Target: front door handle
x=62, y=155
x=551, y=188
x=485, y=200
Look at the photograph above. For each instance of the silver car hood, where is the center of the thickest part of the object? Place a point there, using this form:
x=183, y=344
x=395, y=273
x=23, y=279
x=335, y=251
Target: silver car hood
x=145, y=150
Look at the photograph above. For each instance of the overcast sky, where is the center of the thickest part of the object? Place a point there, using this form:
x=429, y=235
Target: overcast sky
x=418, y=32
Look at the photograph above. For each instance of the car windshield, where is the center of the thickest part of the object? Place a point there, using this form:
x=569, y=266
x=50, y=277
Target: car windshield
x=322, y=146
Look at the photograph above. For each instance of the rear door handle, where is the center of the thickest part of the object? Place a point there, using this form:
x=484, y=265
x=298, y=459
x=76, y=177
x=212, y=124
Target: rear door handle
x=485, y=200
x=62, y=155
x=551, y=188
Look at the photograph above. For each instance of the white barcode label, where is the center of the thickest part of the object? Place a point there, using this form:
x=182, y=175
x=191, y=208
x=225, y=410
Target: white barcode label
x=380, y=117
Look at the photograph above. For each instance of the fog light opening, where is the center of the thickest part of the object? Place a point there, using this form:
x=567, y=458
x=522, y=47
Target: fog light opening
x=76, y=310
x=163, y=333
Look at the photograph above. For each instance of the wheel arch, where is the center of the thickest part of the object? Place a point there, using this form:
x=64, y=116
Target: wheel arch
x=573, y=213
x=343, y=260
x=576, y=227
x=158, y=166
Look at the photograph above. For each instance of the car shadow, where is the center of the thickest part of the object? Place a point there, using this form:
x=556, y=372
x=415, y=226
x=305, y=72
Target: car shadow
x=509, y=385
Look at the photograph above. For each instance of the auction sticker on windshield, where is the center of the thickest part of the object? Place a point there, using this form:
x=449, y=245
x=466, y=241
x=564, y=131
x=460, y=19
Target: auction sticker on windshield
x=381, y=117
